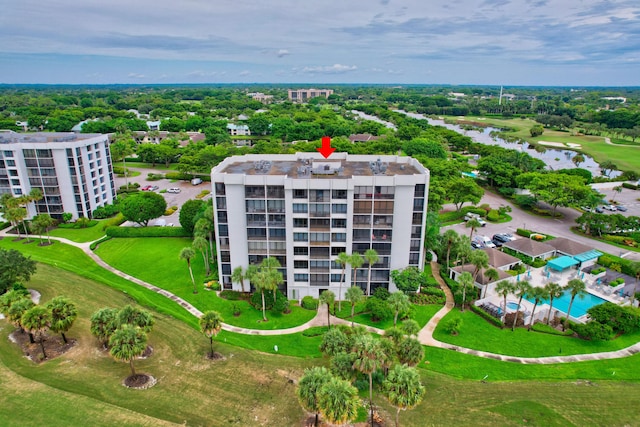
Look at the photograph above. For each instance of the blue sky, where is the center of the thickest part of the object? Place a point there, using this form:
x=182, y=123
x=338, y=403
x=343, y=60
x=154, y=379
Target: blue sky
x=519, y=42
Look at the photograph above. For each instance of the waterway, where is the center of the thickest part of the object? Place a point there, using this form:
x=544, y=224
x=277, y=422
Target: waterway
x=374, y=119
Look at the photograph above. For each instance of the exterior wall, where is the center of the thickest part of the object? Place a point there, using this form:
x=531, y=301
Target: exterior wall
x=74, y=174
x=307, y=222
x=304, y=95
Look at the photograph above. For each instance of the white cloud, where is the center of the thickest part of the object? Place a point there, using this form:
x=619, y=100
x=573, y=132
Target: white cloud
x=283, y=52
x=330, y=69
x=244, y=73
x=136, y=75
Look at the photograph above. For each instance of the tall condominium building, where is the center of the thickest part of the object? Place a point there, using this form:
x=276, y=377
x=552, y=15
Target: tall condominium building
x=304, y=210
x=303, y=95
x=73, y=171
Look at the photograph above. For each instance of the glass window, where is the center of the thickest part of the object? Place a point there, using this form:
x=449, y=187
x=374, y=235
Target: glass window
x=301, y=277
x=339, y=208
x=339, y=194
x=300, y=237
x=300, y=264
x=362, y=207
x=319, y=237
x=338, y=237
x=418, y=205
x=300, y=222
x=339, y=223
x=300, y=250
x=362, y=192
x=300, y=208
x=299, y=194
x=383, y=207
x=220, y=189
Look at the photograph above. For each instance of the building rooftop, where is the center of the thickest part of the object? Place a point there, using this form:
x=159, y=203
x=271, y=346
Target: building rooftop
x=40, y=137
x=313, y=165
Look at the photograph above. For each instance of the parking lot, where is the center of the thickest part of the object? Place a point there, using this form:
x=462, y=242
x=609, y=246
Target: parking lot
x=627, y=198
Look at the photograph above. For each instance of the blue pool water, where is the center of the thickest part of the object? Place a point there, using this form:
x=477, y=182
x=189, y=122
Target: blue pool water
x=580, y=305
x=512, y=305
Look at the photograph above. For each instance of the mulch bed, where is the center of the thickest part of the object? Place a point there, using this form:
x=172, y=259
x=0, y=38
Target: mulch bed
x=139, y=381
x=45, y=243
x=54, y=346
x=216, y=356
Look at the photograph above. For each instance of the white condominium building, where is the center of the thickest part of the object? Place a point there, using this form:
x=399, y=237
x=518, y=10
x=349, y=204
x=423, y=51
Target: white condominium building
x=304, y=210
x=73, y=171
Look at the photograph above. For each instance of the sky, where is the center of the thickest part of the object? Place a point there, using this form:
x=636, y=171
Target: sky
x=480, y=42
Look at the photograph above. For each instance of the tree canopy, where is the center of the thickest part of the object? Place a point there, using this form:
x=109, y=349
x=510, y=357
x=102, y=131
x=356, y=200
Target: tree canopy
x=143, y=207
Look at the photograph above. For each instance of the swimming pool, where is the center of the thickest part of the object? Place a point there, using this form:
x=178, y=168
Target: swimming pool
x=580, y=305
x=512, y=305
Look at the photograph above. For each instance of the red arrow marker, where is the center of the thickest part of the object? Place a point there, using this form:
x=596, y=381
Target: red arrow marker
x=326, y=150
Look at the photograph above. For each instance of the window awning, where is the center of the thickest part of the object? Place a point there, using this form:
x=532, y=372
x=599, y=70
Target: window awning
x=561, y=263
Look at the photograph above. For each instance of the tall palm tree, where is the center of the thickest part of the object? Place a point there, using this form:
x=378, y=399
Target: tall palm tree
x=36, y=321
x=491, y=275
x=367, y=360
x=555, y=291
x=466, y=282
x=522, y=288
x=135, y=316
x=354, y=295
x=15, y=312
x=473, y=224
x=272, y=264
x=127, y=343
x=403, y=389
x=410, y=351
x=616, y=190
x=309, y=388
x=538, y=294
x=576, y=288
x=399, y=302
x=238, y=276
x=200, y=243
x=577, y=159
x=342, y=260
x=449, y=239
x=479, y=260
x=187, y=254
x=329, y=298
x=504, y=289
x=338, y=401
x=210, y=325
x=63, y=313
x=42, y=223
x=356, y=262
x=104, y=323
x=371, y=255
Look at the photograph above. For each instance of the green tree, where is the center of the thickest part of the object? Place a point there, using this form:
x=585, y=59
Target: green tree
x=135, y=316
x=338, y=401
x=127, y=343
x=123, y=146
x=473, y=224
x=187, y=254
x=36, y=321
x=523, y=287
x=466, y=283
x=41, y=223
x=334, y=342
x=205, y=226
x=238, y=276
x=410, y=327
x=15, y=312
x=200, y=243
x=538, y=294
x=555, y=291
x=616, y=190
x=354, y=295
x=577, y=159
x=189, y=213
x=410, y=351
x=576, y=288
x=329, y=298
x=104, y=323
x=504, y=288
x=491, y=275
x=607, y=167
x=309, y=388
x=356, y=262
x=368, y=356
x=371, y=255
x=211, y=325
x=143, y=207
x=557, y=189
x=403, y=389
x=14, y=268
x=267, y=278
x=63, y=313
x=409, y=279
x=399, y=303
x=449, y=238
x=461, y=190
x=342, y=260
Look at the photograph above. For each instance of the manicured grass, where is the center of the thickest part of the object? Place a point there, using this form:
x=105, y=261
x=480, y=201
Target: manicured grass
x=158, y=166
x=156, y=261
x=80, y=235
x=420, y=313
x=479, y=334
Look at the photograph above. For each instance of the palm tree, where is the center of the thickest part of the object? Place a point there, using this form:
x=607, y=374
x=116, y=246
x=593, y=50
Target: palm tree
x=577, y=159
x=555, y=291
x=473, y=224
x=120, y=149
x=15, y=312
x=329, y=298
x=354, y=295
x=104, y=323
x=504, y=288
x=342, y=260
x=403, y=389
x=238, y=276
x=367, y=360
x=356, y=262
x=522, y=288
x=371, y=255
x=200, y=243
x=338, y=401
x=271, y=264
x=576, y=287
x=466, y=282
x=479, y=260
x=210, y=325
x=410, y=327
x=399, y=302
x=134, y=316
x=309, y=388
x=538, y=294
x=616, y=190
x=410, y=351
x=491, y=275
x=265, y=278
x=186, y=254
x=63, y=313
x=449, y=238
x=36, y=321
x=127, y=343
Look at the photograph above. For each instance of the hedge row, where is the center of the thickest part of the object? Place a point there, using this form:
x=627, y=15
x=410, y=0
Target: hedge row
x=146, y=232
x=114, y=222
x=487, y=316
x=629, y=186
x=185, y=176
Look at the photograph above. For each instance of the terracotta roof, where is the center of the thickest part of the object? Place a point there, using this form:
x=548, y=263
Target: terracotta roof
x=568, y=246
x=499, y=259
x=529, y=247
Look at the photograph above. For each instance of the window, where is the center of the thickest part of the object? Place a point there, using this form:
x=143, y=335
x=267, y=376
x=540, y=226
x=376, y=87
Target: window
x=362, y=220
x=222, y=216
x=339, y=223
x=223, y=230
x=254, y=192
x=338, y=237
x=319, y=195
x=277, y=233
x=300, y=208
x=417, y=219
x=221, y=202
x=256, y=233
x=319, y=210
x=275, y=192
x=300, y=250
x=318, y=237
x=336, y=278
x=361, y=235
x=383, y=207
x=300, y=237
x=335, y=251
x=362, y=207
x=320, y=223
x=10, y=153
x=319, y=279
x=255, y=205
x=299, y=194
x=418, y=205
x=416, y=231
x=415, y=245
x=384, y=192
x=319, y=265
x=300, y=222
x=220, y=189
x=301, y=277
x=11, y=162
x=300, y=264
x=419, y=191
x=414, y=258
x=339, y=208
x=362, y=192
x=339, y=194
x=275, y=205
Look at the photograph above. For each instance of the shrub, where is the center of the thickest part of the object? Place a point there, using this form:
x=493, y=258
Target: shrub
x=315, y=331
x=106, y=211
x=629, y=186
x=619, y=319
x=381, y=293
x=379, y=309
x=95, y=244
x=83, y=222
x=177, y=176
x=202, y=194
x=453, y=326
x=493, y=215
x=154, y=176
x=546, y=329
x=428, y=296
x=280, y=305
x=146, y=232
x=598, y=270
x=236, y=309
x=231, y=295
x=522, y=232
x=487, y=316
x=625, y=264
x=309, y=302
x=506, y=191
x=4, y=225
x=114, y=222
x=593, y=331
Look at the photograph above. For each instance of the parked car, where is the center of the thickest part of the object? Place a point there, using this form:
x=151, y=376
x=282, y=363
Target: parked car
x=173, y=190
x=477, y=217
x=146, y=188
x=586, y=209
x=196, y=181
x=621, y=208
x=599, y=210
x=485, y=241
x=154, y=188
x=476, y=245
x=611, y=208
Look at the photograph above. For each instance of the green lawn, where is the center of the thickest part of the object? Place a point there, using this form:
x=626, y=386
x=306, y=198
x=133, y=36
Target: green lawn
x=80, y=235
x=156, y=261
x=420, y=313
x=158, y=166
x=479, y=334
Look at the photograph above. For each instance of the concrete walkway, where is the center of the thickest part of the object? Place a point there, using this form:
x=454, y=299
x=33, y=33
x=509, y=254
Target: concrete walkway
x=425, y=335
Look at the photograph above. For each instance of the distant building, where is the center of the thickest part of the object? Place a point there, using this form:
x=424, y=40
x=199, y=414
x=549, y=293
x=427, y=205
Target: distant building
x=238, y=130
x=259, y=96
x=142, y=137
x=363, y=137
x=304, y=95
x=73, y=171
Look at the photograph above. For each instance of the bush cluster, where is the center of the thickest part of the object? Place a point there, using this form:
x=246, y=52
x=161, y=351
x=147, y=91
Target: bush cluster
x=493, y=215
x=487, y=316
x=626, y=266
x=428, y=296
x=379, y=309
x=154, y=176
x=146, y=232
x=629, y=186
x=231, y=295
x=114, y=222
x=280, y=305
x=106, y=211
x=309, y=302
